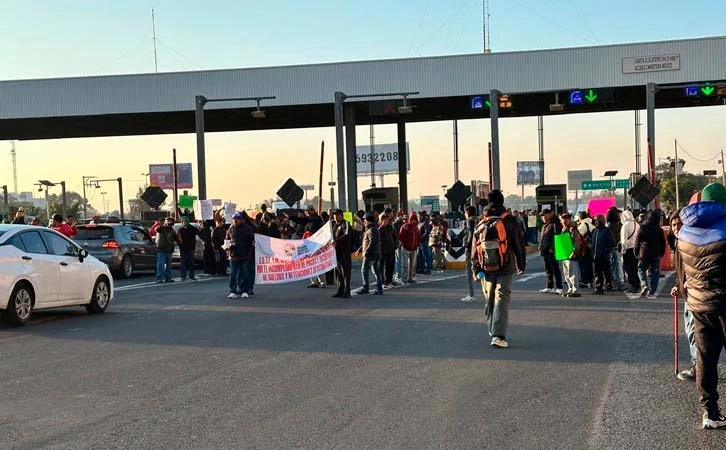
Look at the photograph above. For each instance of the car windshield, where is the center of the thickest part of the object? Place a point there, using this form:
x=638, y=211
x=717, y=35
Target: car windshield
x=94, y=234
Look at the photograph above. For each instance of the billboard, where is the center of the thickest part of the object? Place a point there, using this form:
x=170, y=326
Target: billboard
x=529, y=172
x=430, y=203
x=576, y=177
x=385, y=159
x=162, y=175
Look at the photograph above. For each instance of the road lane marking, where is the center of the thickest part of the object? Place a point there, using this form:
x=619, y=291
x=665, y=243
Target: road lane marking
x=177, y=281
x=529, y=276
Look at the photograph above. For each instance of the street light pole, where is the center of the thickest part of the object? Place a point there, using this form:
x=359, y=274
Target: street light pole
x=86, y=179
x=675, y=169
x=723, y=171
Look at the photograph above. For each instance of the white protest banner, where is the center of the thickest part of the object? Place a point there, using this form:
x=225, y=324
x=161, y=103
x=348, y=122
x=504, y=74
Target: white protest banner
x=203, y=210
x=274, y=263
x=229, y=210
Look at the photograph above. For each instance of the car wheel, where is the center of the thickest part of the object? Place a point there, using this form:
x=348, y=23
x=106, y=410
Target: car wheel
x=127, y=267
x=100, y=298
x=20, y=306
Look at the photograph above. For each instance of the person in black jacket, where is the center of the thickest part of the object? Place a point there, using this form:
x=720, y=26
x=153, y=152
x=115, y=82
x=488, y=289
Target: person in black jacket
x=650, y=247
x=371, y=251
x=187, y=246
x=601, y=243
x=241, y=237
x=312, y=223
x=551, y=227
x=205, y=234
x=218, y=235
x=470, y=227
x=388, y=249
x=343, y=242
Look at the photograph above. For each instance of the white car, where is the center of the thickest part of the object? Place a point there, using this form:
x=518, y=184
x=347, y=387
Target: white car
x=40, y=269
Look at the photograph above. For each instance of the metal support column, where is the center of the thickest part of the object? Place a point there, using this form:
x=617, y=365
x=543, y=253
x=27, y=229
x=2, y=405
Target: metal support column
x=199, y=102
x=121, y=198
x=494, y=119
x=540, y=140
x=456, y=150
x=650, y=105
x=637, y=143
x=349, y=116
x=340, y=149
x=64, y=207
x=402, y=167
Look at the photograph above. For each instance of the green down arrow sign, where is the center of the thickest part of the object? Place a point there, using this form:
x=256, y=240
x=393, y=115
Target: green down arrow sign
x=707, y=90
x=591, y=96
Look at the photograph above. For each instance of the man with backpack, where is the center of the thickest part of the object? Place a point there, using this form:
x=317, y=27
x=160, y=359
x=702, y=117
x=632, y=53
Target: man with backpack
x=551, y=226
x=498, y=252
x=570, y=267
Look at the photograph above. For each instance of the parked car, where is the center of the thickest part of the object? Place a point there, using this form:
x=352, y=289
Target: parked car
x=198, y=248
x=40, y=268
x=126, y=249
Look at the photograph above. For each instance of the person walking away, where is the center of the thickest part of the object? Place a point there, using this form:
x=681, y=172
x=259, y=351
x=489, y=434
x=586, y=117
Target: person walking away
x=469, y=228
x=616, y=263
x=371, y=251
x=551, y=227
x=628, y=238
x=187, y=246
x=702, y=245
x=498, y=252
x=343, y=242
x=650, y=246
x=19, y=217
x=425, y=255
x=410, y=239
x=220, y=253
x=241, y=239
x=62, y=227
x=681, y=290
x=388, y=250
x=436, y=242
x=586, y=262
x=601, y=242
x=166, y=240
x=570, y=267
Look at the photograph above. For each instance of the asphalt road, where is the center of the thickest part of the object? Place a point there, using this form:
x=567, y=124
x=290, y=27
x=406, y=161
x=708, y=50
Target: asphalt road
x=180, y=366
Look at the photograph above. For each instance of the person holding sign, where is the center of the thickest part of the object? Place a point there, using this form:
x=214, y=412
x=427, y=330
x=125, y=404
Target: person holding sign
x=342, y=241
x=570, y=265
x=550, y=228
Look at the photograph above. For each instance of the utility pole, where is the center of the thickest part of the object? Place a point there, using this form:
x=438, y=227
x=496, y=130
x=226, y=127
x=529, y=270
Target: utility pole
x=723, y=173
x=153, y=30
x=15, y=166
x=675, y=168
x=456, y=151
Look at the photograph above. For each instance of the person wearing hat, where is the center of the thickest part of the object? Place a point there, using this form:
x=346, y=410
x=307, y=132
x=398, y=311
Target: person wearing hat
x=187, y=246
x=371, y=251
x=62, y=227
x=342, y=240
x=241, y=237
x=19, y=217
x=550, y=227
x=702, y=248
x=166, y=240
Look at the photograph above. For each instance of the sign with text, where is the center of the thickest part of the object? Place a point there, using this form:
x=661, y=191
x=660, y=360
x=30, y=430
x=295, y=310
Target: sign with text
x=653, y=63
x=575, y=178
x=286, y=260
x=203, y=210
x=162, y=175
x=529, y=172
x=604, y=185
x=432, y=202
x=384, y=157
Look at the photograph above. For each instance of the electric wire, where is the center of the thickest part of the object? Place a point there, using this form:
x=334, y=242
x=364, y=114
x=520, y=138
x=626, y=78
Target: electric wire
x=418, y=29
x=582, y=18
x=446, y=22
x=718, y=155
x=553, y=22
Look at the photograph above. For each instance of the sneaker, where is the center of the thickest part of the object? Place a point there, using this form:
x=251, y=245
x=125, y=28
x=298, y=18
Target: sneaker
x=362, y=291
x=378, y=293
x=245, y=295
x=233, y=296
x=170, y=281
x=159, y=281
x=313, y=286
x=547, y=291
x=644, y=291
x=322, y=286
x=411, y=282
x=388, y=286
x=558, y=291
x=397, y=283
x=688, y=374
x=193, y=279
x=713, y=421
x=499, y=342
x=468, y=299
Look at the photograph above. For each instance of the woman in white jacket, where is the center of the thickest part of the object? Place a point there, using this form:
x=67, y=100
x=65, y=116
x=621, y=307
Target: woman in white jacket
x=628, y=235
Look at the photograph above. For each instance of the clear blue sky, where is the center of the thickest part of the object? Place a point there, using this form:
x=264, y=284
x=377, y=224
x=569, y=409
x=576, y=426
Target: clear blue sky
x=45, y=39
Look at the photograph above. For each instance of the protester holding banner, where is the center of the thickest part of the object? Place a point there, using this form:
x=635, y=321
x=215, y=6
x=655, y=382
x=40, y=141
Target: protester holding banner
x=187, y=235
x=371, y=251
x=570, y=267
x=241, y=239
x=342, y=240
x=166, y=240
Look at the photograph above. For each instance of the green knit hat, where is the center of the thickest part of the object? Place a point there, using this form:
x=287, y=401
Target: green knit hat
x=714, y=192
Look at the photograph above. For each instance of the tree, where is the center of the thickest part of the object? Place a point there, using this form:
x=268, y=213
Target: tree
x=74, y=204
x=688, y=184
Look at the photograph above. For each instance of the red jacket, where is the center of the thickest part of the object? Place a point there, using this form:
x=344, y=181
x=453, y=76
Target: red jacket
x=409, y=236
x=66, y=230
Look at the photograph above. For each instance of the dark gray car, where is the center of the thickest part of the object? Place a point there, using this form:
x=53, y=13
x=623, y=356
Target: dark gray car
x=125, y=249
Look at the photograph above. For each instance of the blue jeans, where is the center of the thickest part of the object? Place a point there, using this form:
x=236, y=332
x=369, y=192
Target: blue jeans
x=241, y=276
x=186, y=263
x=427, y=258
x=366, y=272
x=399, y=265
x=248, y=276
x=615, y=267
x=654, y=266
x=163, y=266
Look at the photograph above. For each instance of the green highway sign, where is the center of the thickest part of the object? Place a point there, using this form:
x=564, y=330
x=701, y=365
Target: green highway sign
x=708, y=90
x=591, y=96
x=604, y=185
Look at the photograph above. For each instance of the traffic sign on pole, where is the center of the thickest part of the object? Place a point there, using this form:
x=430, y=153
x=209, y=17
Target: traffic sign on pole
x=604, y=185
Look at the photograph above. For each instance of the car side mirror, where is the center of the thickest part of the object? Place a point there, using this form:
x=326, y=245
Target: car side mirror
x=82, y=254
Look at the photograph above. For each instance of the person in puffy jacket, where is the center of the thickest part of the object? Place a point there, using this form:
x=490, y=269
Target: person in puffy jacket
x=389, y=242
x=241, y=237
x=551, y=226
x=702, y=247
x=410, y=239
x=628, y=237
x=650, y=247
x=371, y=250
x=601, y=243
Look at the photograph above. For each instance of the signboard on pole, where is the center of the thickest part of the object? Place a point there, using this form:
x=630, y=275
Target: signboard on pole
x=604, y=185
x=432, y=202
x=529, y=173
x=480, y=189
x=162, y=175
x=652, y=63
x=385, y=159
x=575, y=178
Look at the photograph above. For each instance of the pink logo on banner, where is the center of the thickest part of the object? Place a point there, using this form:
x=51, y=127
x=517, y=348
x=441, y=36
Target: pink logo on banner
x=598, y=206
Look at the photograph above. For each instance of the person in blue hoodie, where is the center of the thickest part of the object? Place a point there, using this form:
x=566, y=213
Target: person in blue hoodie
x=702, y=248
